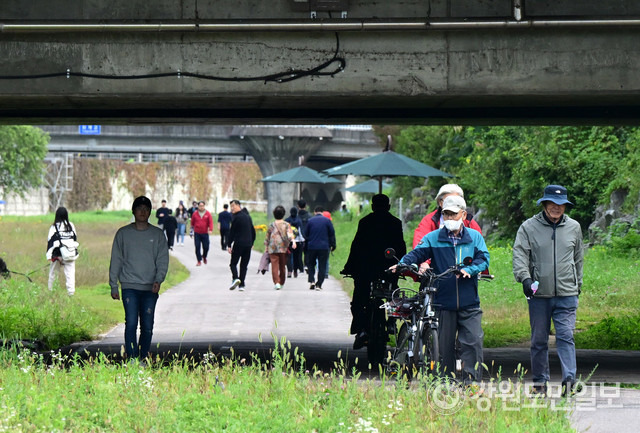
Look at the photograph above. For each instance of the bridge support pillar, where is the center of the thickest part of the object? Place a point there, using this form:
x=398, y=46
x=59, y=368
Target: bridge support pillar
x=276, y=149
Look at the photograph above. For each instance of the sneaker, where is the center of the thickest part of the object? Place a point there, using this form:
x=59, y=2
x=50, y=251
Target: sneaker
x=277, y=287
x=241, y=288
x=199, y=264
x=295, y=274
x=362, y=339
x=570, y=388
x=289, y=275
x=312, y=286
x=204, y=259
x=235, y=284
x=318, y=288
x=539, y=391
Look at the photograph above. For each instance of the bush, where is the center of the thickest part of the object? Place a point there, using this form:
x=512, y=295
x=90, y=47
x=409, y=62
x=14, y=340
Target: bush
x=612, y=333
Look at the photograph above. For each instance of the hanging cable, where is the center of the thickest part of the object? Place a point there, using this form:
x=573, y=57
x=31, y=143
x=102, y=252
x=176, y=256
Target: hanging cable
x=280, y=77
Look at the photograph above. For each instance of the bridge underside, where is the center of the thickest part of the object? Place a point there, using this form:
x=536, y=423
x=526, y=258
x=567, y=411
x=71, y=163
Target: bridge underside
x=401, y=61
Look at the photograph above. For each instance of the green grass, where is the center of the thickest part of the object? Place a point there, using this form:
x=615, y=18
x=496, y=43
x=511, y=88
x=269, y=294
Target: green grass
x=70, y=395
x=23, y=246
x=606, y=316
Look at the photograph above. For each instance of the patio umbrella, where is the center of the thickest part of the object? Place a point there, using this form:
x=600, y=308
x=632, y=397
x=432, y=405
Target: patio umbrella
x=386, y=164
x=300, y=174
x=369, y=186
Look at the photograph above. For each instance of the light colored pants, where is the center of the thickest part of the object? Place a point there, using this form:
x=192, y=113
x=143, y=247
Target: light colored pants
x=69, y=269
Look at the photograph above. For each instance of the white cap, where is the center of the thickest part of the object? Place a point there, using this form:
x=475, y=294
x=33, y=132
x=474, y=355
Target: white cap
x=454, y=203
x=450, y=188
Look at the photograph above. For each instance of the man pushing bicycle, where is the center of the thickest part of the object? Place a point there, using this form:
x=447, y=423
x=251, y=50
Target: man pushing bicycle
x=457, y=300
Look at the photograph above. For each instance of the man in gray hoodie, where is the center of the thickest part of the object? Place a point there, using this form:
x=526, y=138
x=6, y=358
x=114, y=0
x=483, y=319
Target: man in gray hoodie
x=547, y=260
x=139, y=261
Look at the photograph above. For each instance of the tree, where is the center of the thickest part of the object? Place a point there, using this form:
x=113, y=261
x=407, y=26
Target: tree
x=22, y=152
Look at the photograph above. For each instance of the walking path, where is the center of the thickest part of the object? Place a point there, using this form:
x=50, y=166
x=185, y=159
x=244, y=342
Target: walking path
x=201, y=314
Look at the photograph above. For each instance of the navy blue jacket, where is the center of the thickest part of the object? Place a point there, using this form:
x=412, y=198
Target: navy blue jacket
x=319, y=233
x=453, y=293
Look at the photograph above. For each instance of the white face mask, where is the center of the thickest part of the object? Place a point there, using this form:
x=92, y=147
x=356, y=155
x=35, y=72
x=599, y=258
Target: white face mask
x=453, y=225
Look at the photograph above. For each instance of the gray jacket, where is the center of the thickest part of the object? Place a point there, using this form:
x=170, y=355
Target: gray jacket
x=551, y=257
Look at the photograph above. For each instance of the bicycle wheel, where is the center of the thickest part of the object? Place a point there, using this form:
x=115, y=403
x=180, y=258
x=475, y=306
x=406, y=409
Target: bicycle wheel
x=377, y=345
x=403, y=361
x=431, y=349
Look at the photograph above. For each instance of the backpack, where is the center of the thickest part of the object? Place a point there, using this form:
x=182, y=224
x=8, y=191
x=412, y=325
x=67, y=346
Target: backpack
x=68, y=247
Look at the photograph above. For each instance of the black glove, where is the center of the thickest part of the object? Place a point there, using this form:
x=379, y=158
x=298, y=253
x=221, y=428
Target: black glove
x=526, y=288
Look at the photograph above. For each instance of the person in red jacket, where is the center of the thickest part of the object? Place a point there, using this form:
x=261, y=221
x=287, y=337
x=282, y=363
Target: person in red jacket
x=202, y=224
x=433, y=220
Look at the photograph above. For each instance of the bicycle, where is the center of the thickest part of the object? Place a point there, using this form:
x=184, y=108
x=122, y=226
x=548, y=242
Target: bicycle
x=417, y=348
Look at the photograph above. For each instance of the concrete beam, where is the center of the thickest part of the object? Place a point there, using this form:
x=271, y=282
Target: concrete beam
x=545, y=75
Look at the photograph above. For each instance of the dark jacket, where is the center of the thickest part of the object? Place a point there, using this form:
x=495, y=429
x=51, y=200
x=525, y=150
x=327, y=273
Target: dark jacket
x=304, y=216
x=242, y=232
x=319, y=234
x=376, y=232
x=453, y=293
x=224, y=218
x=162, y=210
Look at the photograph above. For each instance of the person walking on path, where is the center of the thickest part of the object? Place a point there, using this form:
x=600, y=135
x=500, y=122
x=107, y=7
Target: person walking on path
x=62, y=232
x=170, y=226
x=162, y=213
x=182, y=216
x=366, y=263
x=457, y=297
x=321, y=238
x=202, y=224
x=434, y=220
x=547, y=260
x=294, y=264
x=242, y=235
x=193, y=209
x=224, y=225
x=139, y=262
x=304, y=216
x=277, y=240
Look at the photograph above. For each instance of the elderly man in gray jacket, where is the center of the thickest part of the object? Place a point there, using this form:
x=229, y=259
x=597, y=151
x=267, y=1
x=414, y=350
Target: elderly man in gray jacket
x=547, y=260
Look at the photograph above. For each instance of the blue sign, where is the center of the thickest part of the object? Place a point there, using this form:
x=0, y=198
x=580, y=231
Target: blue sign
x=89, y=129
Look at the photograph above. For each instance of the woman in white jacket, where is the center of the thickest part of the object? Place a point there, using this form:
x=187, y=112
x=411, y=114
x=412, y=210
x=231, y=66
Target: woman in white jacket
x=62, y=232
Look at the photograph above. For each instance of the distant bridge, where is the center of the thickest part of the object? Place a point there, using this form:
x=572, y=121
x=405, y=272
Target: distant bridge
x=339, y=144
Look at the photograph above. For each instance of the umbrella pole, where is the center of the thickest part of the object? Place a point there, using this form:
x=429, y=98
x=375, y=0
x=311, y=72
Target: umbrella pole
x=380, y=185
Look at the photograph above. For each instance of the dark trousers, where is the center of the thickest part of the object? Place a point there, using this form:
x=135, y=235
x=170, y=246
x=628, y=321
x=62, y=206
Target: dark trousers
x=171, y=234
x=468, y=326
x=224, y=238
x=201, y=239
x=138, y=305
x=295, y=259
x=241, y=254
x=322, y=256
x=359, y=304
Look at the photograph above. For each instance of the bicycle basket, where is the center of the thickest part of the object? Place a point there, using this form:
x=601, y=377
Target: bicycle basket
x=402, y=303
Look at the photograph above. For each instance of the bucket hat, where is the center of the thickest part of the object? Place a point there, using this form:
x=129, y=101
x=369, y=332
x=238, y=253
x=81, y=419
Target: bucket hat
x=556, y=194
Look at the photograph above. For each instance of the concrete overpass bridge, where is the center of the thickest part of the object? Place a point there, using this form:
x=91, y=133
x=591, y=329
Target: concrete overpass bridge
x=274, y=148
x=336, y=144
x=320, y=61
